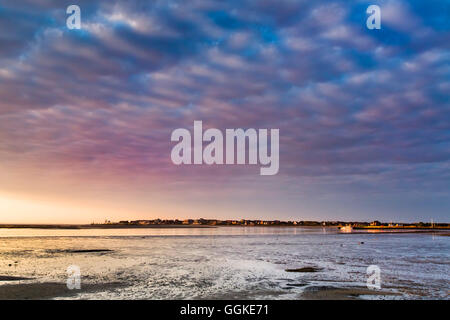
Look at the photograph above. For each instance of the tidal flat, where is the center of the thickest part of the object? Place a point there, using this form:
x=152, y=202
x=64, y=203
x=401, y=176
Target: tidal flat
x=221, y=263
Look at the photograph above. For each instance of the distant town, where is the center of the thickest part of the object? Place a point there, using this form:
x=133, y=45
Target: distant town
x=345, y=226
x=245, y=222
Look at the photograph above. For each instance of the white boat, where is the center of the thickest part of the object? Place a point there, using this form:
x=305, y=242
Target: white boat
x=348, y=228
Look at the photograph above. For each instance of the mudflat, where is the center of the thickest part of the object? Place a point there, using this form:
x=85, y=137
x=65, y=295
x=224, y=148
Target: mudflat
x=48, y=290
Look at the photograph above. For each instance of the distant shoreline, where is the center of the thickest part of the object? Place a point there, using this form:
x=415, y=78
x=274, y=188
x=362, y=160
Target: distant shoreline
x=369, y=229
x=95, y=226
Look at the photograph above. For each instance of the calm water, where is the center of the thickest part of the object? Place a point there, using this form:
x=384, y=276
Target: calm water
x=227, y=262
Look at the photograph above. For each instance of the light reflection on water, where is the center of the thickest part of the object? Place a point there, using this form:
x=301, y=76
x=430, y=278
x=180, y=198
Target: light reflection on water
x=176, y=231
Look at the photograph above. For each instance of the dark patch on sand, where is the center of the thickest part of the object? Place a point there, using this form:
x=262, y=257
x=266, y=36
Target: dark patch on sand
x=48, y=290
x=304, y=269
x=297, y=284
x=334, y=293
x=12, y=278
x=89, y=250
x=80, y=251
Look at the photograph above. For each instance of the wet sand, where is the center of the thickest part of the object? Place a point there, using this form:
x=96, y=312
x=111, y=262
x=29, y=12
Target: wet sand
x=51, y=290
x=12, y=278
x=349, y=293
x=267, y=266
x=48, y=290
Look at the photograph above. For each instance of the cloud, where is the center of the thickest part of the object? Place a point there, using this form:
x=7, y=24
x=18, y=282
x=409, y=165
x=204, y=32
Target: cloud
x=348, y=101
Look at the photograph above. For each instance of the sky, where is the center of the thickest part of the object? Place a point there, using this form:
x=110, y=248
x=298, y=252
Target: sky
x=86, y=115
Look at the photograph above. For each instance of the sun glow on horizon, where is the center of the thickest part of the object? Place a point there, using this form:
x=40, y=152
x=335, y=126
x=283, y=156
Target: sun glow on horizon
x=21, y=209
x=29, y=209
